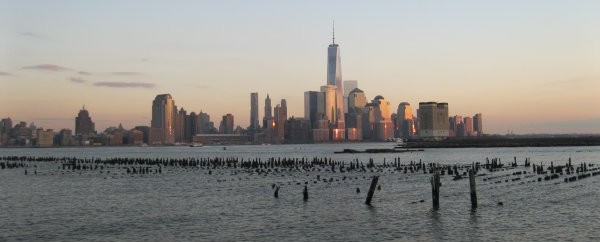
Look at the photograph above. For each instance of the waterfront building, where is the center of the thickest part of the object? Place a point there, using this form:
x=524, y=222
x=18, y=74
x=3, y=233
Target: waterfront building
x=155, y=136
x=5, y=125
x=329, y=103
x=334, y=78
x=180, y=121
x=356, y=101
x=206, y=126
x=321, y=131
x=456, y=128
x=468, y=126
x=145, y=131
x=192, y=126
x=478, y=124
x=312, y=110
x=280, y=119
x=134, y=137
x=404, y=121
x=433, y=120
x=383, y=127
x=221, y=139
x=254, y=123
x=297, y=131
x=65, y=138
x=84, y=124
x=349, y=85
x=268, y=112
x=163, y=117
x=44, y=138
x=227, y=123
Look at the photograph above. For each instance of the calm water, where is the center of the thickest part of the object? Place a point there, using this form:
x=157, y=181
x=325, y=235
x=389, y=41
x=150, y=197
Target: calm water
x=231, y=205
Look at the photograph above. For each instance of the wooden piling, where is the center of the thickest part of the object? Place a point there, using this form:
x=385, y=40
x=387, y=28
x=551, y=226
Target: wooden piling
x=372, y=189
x=435, y=189
x=305, y=193
x=473, y=188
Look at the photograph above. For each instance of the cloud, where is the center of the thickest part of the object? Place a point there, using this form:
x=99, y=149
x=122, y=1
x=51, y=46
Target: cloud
x=84, y=73
x=46, y=67
x=32, y=35
x=200, y=86
x=77, y=80
x=126, y=73
x=125, y=84
x=4, y=73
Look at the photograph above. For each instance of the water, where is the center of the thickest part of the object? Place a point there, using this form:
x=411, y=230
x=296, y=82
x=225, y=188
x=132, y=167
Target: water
x=230, y=205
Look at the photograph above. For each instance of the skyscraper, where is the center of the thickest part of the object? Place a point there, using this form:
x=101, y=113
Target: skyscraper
x=280, y=119
x=254, y=123
x=163, y=117
x=83, y=123
x=334, y=78
x=268, y=112
x=329, y=104
x=478, y=124
x=349, y=85
x=468, y=124
x=180, y=125
x=356, y=101
x=311, y=107
x=383, y=119
x=433, y=120
x=405, y=120
x=227, y=124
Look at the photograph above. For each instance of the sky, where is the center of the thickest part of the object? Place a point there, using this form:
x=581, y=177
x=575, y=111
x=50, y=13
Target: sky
x=527, y=66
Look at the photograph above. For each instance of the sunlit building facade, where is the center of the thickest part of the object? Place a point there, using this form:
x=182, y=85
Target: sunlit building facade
x=433, y=120
x=163, y=117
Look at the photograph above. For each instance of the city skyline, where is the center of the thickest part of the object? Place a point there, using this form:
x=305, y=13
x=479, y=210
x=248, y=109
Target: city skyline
x=525, y=75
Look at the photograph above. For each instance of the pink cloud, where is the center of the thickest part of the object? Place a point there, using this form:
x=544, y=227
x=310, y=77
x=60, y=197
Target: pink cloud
x=77, y=80
x=125, y=84
x=46, y=67
x=126, y=73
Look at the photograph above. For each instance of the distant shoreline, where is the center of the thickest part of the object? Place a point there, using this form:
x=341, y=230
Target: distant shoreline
x=499, y=142
x=466, y=142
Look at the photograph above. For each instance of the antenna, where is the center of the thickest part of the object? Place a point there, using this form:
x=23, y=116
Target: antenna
x=334, y=31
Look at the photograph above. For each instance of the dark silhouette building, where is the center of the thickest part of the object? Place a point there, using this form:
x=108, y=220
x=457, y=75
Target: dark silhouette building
x=83, y=123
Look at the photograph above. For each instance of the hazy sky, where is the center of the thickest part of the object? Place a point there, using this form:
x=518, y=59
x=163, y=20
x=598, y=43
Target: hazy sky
x=528, y=66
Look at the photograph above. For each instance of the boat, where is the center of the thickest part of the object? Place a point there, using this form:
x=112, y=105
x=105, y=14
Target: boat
x=196, y=145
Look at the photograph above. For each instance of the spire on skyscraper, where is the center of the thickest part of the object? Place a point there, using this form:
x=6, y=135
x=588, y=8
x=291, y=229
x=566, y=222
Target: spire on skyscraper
x=333, y=32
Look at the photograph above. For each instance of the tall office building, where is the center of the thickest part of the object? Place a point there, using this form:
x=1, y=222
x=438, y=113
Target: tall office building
x=312, y=110
x=268, y=112
x=83, y=123
x=206, y=126
x=349, y=85
x=468, y=124
x=192, y=126
x=226, y=126
x=280, y=119
x=433, y=120
x=254, y=123
x=329, y=103
x=334, y=78
x=6, y=124
x=456, y=128
x=384, y=128
x=478, y=124
x=404, y=120
x=180, y=125
x=163, y=117
x=356, y=101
